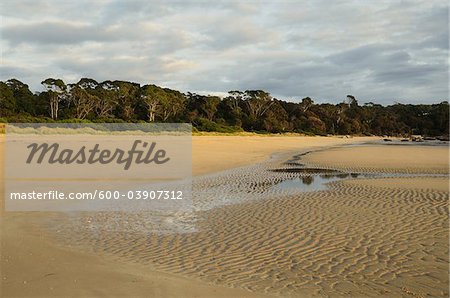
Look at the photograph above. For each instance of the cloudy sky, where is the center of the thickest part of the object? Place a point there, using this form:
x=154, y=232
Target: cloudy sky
x=383, y=51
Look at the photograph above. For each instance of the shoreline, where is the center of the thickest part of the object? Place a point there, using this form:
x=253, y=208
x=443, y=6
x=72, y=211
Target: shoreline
x=212, y=154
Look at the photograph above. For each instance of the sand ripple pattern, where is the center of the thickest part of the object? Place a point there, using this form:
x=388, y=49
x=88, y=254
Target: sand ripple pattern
x=349, y=240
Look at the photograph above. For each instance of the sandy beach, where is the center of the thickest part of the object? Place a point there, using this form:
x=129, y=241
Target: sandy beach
x=376, y=236
x=222, y=149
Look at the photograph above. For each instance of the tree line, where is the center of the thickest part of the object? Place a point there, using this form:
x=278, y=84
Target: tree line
x=250, y=110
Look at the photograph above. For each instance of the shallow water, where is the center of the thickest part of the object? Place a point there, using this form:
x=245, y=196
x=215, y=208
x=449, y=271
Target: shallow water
x=397, y=142
x=307, y=183
x=313, y=182
x=302, y=178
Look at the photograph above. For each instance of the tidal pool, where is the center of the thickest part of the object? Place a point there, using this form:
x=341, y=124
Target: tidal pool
x=312, y=182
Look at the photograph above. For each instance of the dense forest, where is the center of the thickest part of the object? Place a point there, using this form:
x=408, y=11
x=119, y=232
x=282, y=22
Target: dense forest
x=251, y=110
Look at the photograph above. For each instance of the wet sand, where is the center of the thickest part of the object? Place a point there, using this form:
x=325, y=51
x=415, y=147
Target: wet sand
x=216, y=153
x=384, y=158
x=34, y=264
x=364, y=237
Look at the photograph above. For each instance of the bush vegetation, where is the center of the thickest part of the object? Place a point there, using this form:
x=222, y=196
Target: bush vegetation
x=251, y=110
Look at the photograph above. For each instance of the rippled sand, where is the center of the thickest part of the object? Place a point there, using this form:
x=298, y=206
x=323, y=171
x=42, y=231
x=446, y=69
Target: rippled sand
x=384, y=158
x=365, y=237
x=34, y=264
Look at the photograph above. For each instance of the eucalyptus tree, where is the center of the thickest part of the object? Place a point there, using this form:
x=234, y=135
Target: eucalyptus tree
x=84, y=103
x=128, y=96
x=171, y=104
x=204, y=106
x=107, y=99
x=258, y=102
x=7, y=100
x=24, y=99
x=306, y=103
x=152, y=97
x=57, y=91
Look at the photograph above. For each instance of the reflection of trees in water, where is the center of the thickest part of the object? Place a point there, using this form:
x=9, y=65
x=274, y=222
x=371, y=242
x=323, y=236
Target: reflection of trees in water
x=342, y=176
x=308, y=180
x=305, y=170
x=327, y=176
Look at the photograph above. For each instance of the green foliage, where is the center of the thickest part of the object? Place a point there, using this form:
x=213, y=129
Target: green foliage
x=74, y=120
x=108, y=120
x=24, y=118
x=7, y=100
x=203, y=124
x=55, y=85
x=89, y=101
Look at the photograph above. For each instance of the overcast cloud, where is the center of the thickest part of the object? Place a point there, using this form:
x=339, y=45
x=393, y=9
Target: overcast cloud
x=383, y=51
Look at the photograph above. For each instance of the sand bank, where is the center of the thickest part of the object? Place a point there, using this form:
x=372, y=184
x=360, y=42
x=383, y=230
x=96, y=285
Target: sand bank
x=413, y=183
x=217, y=153
x=384, y=158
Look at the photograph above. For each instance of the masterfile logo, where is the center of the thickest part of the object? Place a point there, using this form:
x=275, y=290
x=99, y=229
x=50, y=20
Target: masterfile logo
x=115, y=162
x=52, y=153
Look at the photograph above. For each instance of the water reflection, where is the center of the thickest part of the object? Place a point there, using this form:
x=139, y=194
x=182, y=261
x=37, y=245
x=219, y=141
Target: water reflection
x=308, y=180
x=305, y=170
x=317, y=179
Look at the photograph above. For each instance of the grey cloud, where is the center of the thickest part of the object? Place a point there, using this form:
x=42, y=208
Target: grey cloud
x=113, y=68
x=375, y=50
x=236, y=33
x=56, y=33
x=368, y=72
x=14, y=72
x=438, y=41
x=361, y=55
x=409, y=74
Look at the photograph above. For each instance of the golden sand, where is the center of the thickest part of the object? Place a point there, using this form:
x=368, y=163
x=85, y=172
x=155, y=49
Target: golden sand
x=418, y=184
x=216, y=153
x=368, y=237
x=33, y=264
x=384, y=158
